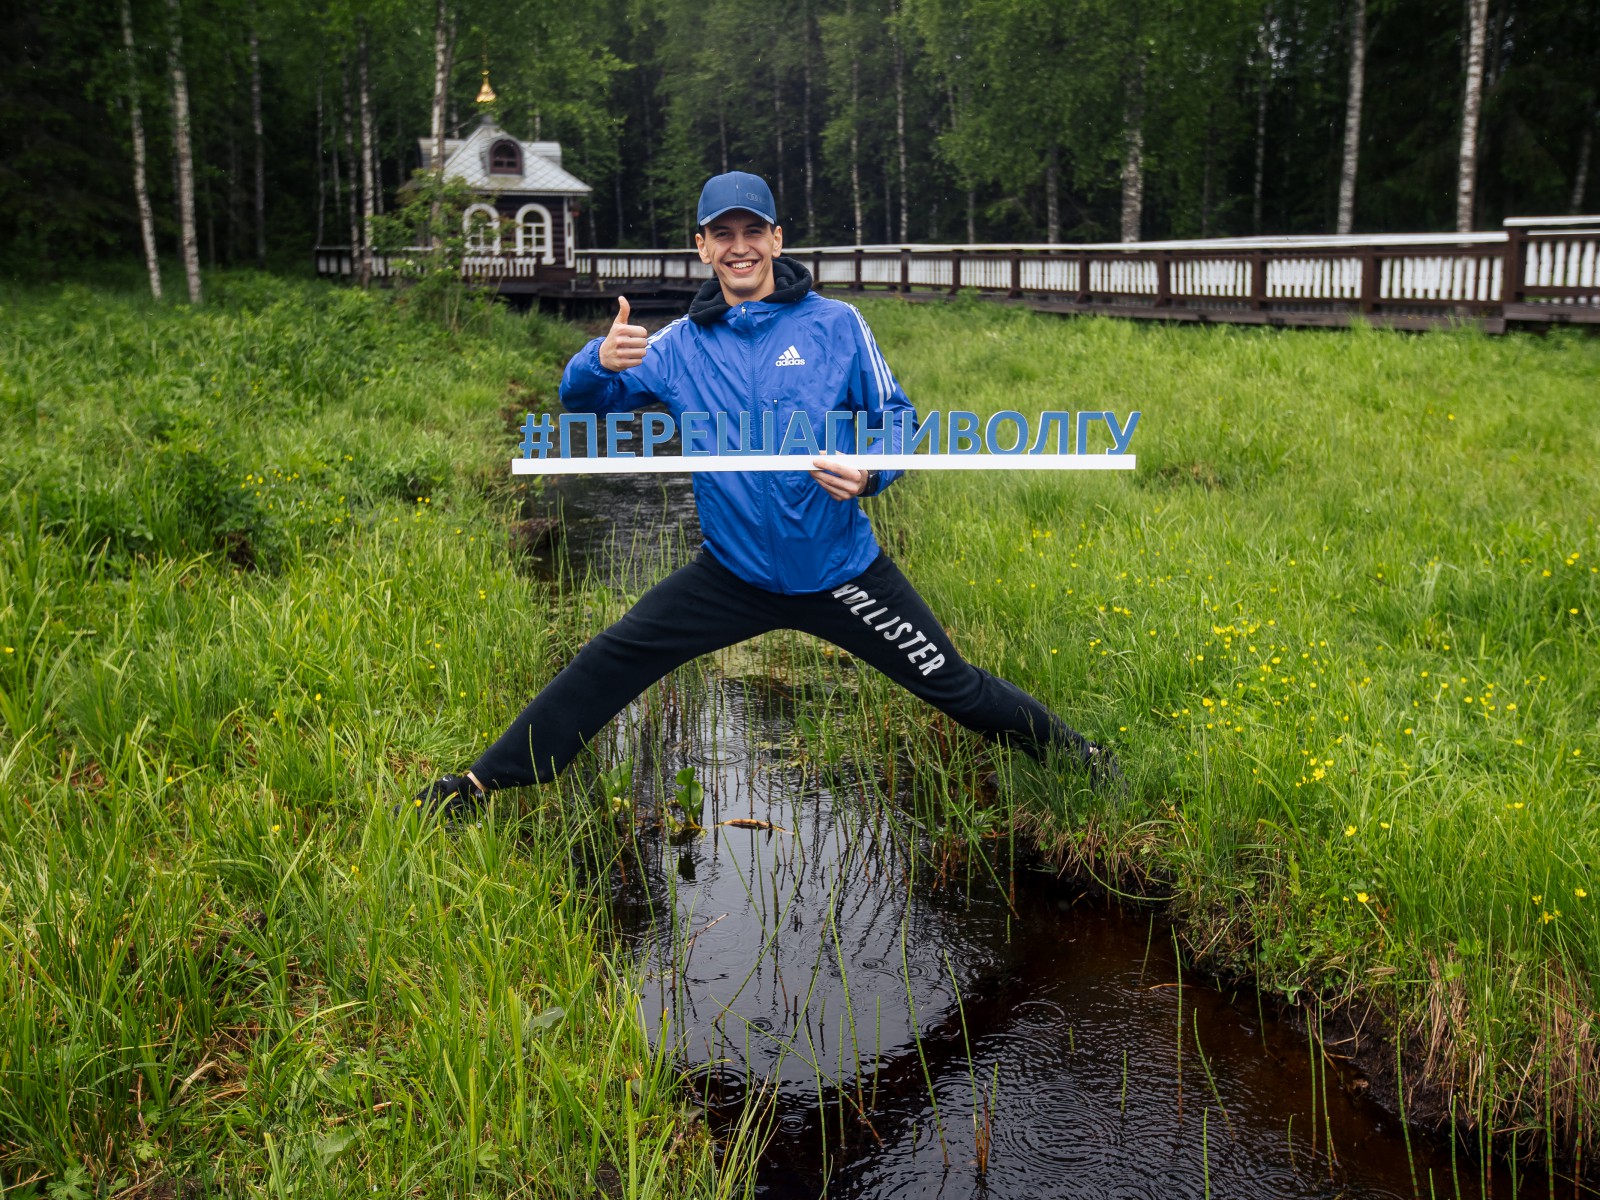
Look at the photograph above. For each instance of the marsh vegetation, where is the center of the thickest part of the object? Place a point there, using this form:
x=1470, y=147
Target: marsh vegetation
x=255, y=586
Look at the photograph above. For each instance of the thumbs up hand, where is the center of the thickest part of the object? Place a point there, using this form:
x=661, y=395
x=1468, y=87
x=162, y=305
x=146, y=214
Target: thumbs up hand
x=625, y=345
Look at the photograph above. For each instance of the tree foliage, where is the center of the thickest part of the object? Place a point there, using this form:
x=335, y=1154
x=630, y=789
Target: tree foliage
x=1007, y=114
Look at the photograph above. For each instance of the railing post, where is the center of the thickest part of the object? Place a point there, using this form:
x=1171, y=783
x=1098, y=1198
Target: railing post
x=856, y=285
x=816, y=269
x=1016, y=277
x=1164, y=279
x=1084, y=293
x=905, y=271
x=1258, y=280
x=1369, y=280
x=1512, y=274
x=955, y=271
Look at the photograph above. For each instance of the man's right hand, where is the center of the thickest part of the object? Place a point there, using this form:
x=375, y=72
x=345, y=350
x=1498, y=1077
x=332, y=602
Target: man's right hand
x=625, y=345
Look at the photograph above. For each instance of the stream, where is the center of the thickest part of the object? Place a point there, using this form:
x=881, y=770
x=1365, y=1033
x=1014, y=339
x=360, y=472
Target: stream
x=987, y=1030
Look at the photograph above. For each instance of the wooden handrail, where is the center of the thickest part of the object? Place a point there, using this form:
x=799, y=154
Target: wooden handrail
x=1546, y=271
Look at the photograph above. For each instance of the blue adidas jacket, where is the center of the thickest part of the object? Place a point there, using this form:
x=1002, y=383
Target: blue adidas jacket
x=777, y=530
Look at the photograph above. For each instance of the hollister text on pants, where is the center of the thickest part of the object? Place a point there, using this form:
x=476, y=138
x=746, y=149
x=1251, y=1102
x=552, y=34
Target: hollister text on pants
x=918, y=645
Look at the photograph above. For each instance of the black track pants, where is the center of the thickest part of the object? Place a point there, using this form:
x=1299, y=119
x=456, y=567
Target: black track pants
x=701, y=607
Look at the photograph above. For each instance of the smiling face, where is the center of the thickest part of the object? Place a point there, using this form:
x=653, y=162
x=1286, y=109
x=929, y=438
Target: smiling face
x=739, y=247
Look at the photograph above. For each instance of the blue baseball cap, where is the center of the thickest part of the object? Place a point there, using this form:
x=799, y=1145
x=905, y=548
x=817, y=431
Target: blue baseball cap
x=736, y=189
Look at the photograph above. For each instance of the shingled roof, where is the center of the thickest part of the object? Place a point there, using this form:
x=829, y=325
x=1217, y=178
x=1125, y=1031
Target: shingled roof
x=467, y=159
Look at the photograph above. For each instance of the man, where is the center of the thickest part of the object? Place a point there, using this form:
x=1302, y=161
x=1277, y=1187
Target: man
x=782, y=549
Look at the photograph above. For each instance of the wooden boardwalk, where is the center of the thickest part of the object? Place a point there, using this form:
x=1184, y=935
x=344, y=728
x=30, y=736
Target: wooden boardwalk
x=1542, y=271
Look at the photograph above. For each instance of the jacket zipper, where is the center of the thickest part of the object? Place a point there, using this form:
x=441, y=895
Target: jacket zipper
x=766, y=478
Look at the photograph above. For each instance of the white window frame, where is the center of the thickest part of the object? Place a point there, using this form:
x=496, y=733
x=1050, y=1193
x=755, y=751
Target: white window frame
x=493, y=215
x=569, y=227
x=547, y=253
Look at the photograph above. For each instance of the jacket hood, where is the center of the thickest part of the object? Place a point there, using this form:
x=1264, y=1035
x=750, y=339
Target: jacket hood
x=793, y=282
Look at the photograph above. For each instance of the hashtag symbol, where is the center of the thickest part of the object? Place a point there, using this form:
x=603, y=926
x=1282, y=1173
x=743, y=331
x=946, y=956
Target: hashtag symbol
x=536, y=435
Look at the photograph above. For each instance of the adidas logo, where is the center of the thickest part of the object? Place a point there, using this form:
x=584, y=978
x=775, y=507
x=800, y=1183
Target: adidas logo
x=790, y=358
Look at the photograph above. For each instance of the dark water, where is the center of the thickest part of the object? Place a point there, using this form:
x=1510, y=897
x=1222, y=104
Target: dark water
x=624, y=531
x=893, y=1014
x=976, y=1031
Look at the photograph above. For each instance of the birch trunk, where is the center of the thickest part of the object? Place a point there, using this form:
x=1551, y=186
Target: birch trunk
x=1352, y=116
x=1471, y=106
x=260, y=148
x=1133, y=158
x=188, y=242
x=441, y=87
x=366, y=158
x=141, y=187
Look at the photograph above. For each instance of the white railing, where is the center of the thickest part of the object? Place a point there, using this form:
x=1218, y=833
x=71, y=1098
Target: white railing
x=1536, y=268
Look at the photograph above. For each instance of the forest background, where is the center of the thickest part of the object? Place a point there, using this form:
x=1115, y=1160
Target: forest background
x=875, y=120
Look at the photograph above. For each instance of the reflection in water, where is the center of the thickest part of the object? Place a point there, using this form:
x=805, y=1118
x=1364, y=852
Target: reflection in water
x=901, y=1023
x=622, y=531
x=907, y=1027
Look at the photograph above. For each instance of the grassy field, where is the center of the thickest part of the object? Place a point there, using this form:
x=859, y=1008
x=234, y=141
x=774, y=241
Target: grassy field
x=254, y=590
x=1342, y=628
x=255, y=586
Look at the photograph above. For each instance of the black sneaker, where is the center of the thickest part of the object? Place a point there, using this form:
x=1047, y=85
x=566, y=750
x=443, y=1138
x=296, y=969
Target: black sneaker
x=455, y=798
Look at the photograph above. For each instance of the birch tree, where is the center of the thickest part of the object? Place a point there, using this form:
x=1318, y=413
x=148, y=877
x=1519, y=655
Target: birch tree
x=188, y=241
x=441, y=90
x=1133, y=153
x=1352, y=116
x=1471, y=110
x=141, y=190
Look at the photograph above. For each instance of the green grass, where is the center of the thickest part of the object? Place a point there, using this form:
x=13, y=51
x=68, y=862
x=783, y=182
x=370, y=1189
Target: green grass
x=253, y=591
x=1341, y=626
x=254, y=587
